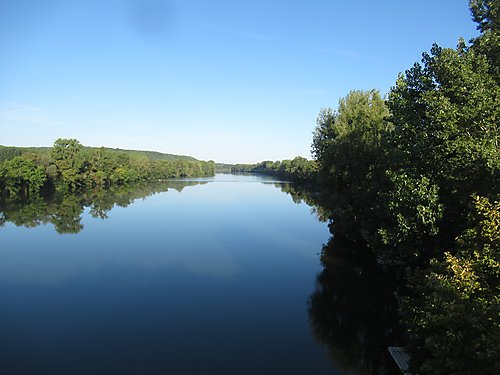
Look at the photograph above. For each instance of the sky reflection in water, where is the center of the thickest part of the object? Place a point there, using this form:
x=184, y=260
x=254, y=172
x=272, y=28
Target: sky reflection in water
x=215, y=278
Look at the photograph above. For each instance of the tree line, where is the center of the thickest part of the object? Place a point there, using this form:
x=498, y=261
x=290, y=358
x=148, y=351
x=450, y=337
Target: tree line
x=299, y=169
x=70, y=167
x=415, y=176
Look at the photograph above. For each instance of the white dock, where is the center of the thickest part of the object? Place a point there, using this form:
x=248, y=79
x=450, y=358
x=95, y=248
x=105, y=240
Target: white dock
x=401, y=358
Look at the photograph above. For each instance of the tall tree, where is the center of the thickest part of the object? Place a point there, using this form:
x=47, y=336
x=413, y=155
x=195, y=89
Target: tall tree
x=347, y=145
x=444, y=155
x=21, y=176
x=454, y=317
x=445, y=113
x=67, y=156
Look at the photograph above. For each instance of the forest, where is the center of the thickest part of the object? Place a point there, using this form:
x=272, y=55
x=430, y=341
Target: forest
x=299, y=169
x=415, y=177
x=69, y=167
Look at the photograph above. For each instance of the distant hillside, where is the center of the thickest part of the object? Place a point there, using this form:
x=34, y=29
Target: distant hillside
x=153, y=155
x=224, y=167
x=7, y=152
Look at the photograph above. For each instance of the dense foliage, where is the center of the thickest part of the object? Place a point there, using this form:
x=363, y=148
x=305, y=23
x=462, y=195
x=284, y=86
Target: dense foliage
x=298, y=169
x=454, y=314
x=68, y=166
x=347, y=145
x=416, y=177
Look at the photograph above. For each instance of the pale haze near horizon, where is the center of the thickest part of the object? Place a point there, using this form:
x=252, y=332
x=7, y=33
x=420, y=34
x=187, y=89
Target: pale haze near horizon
x=234, y=82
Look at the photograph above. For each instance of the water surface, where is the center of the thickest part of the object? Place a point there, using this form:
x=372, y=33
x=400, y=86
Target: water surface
x=210, y=276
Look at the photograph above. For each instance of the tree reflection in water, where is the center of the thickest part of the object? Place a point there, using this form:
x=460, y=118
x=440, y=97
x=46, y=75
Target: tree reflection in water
x=353, y=312
x=65, y=211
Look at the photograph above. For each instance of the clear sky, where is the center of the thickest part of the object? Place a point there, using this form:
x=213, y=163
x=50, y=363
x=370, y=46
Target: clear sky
x=227, y=80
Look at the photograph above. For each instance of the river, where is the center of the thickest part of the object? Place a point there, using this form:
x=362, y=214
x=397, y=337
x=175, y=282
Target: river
x=222, y=275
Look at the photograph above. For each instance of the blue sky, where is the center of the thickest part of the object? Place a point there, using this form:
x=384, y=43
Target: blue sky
x=231, y=81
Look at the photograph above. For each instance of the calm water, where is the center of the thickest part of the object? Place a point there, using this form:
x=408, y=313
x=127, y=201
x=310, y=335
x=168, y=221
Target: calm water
x=212, y=276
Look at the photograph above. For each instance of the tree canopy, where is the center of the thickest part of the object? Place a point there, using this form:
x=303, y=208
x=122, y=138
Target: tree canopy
x=416, y=176
x=69, y=166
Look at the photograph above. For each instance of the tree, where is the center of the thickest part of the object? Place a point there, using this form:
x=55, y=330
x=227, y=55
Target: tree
x=21, y=176
x=323, y=135
x=446, y=137
x=301, y=169
x=486, y=13
x=445, y=113
x=455, y=316
x=67, y=156
x=412, y=214
x=7, y=153
x=99, y=168
x=346, y=143
x=348, y=148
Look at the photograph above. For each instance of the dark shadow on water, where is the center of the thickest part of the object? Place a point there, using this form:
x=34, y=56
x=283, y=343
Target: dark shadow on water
x=302, y=194
x=353, y=312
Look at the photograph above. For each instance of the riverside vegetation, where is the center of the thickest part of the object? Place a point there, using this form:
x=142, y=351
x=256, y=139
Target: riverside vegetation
x=70, y=167
x=413, y=177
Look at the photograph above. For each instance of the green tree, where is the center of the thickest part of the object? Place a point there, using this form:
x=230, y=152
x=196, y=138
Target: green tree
x=445, y=114
x=68, y=157
x=405, y=183
x=7, y=153
x=301, y=169
x=324, y=135
x=348, y=148
x=100, y=165
x=455, y=315
x=21, y=176
x=487, y=14
x=409, y=220
x=346, y=143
